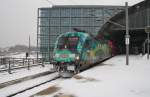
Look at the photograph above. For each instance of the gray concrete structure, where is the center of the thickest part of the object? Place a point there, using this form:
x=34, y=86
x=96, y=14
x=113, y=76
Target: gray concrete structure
x=139, y=18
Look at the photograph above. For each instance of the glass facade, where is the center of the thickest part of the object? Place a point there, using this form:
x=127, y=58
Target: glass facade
x=59, y=19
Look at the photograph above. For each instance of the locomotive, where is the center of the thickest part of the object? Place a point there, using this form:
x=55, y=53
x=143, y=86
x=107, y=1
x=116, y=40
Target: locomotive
x=75, y=51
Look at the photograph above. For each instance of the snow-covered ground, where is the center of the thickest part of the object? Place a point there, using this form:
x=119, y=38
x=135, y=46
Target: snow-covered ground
x=16, y=74
x=22, y=55
x=109, y=79
x=4, y=92
x=23, y=72
x=20, y=73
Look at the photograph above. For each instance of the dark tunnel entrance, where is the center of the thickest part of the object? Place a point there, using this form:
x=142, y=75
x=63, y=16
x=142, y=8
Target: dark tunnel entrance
x=137, y=39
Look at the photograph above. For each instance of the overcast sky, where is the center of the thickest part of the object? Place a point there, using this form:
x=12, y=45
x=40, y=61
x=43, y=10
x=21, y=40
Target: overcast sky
x=18, y=18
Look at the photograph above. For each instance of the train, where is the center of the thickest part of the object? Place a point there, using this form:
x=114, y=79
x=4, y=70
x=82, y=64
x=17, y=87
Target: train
x=75, y=51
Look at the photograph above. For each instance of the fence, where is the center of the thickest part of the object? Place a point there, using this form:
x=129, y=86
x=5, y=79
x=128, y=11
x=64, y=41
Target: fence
x=9, y=64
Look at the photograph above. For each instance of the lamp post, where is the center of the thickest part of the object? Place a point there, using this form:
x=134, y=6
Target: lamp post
x=147, y=30
x=29, y=49
x=127, y=36
x=148, y=45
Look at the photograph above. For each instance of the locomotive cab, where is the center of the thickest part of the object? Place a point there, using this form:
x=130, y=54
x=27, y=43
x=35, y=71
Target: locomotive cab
x=67, y=54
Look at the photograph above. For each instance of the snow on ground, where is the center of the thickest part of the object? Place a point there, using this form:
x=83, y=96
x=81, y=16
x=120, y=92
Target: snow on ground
x=20, y=73
x=5, y=92
x=22, y=55
x=109, y=79
x=16, y=74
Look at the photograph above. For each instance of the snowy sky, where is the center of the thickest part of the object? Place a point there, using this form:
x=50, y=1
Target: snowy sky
x=18, y=18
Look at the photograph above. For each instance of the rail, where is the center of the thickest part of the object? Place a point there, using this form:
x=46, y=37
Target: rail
x=9, y=64
x=34, y=86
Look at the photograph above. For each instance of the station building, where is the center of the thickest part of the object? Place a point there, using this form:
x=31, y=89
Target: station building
x=59, y=19
x=139, y=19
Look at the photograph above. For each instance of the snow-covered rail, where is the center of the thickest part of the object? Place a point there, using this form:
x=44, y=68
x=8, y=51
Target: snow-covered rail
x=19, y=88
x=12, y=82
x=9, y=64
x=33, y=87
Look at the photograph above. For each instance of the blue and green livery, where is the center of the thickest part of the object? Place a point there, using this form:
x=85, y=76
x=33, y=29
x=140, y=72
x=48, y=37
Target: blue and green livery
x=75, y=51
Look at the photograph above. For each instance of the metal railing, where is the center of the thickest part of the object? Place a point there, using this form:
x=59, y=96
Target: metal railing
x=9, y=64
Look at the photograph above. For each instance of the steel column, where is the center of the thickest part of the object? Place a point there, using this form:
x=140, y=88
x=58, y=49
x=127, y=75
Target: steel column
x=127, y=37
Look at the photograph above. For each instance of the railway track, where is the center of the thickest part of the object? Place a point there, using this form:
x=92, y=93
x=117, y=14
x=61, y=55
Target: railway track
x=20, y=92
x=30, y=88
x=12, y=82
x=11, y=95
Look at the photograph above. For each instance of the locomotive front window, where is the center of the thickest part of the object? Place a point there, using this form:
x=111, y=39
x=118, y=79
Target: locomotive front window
x=61, y=42
x=68, y=43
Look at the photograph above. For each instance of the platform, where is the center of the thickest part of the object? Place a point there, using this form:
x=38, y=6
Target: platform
x=109, y=79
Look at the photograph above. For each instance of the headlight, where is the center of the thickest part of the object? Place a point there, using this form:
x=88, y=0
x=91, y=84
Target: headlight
x=77, y=57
